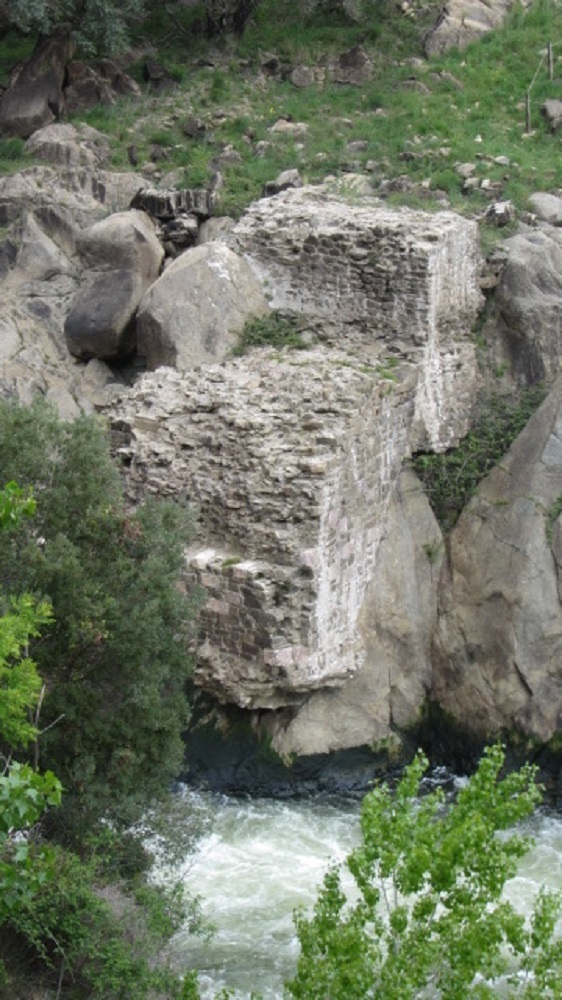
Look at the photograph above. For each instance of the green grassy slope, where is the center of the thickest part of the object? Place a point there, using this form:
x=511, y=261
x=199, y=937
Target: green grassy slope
x=416, y=118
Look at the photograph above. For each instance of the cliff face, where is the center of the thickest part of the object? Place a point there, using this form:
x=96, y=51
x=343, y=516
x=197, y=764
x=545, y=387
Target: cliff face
x=498, y=646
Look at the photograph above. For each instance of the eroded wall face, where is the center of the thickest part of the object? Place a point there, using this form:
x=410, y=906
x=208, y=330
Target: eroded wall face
x=375, y=280
x=365, y=272
x=290, y=462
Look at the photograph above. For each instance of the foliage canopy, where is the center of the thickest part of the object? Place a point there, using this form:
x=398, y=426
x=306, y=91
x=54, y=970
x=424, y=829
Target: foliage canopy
x=427, y=918
x=115, y=658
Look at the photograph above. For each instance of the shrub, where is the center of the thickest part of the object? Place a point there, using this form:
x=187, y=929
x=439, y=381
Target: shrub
x=115, y=660
x=428, y=918
x=452, y=478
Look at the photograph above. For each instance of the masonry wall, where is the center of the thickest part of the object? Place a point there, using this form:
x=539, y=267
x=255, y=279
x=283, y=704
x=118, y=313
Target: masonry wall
x=365, y=272
x=289, y=461
x=290, y=458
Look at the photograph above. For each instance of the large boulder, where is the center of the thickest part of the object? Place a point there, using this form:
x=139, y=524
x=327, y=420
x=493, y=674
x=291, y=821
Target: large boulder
x=37, y=288
x=464, y=21
x=69, y=146
x=79, y=195
x=35, y=96
x=99, y=82
x=352, y=67
x=498, y=646
x=195, y=311
x=122, y=257
x=527, y=305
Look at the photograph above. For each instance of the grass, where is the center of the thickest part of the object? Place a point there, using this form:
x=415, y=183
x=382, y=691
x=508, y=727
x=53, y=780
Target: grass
x=277, y=329
x=474, y=111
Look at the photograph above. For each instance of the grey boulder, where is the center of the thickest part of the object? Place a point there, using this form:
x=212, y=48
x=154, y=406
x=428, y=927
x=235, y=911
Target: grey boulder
x=195, y=311
x=498, y=648
x=35, y=95
x=122, y=257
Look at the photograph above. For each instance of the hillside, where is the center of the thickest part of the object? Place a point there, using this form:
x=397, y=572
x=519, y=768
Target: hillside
x=248, y=108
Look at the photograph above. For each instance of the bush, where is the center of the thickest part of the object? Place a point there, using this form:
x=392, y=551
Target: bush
x=429, y=919
x=452, y=478
x=274, y=330
x=115, y=659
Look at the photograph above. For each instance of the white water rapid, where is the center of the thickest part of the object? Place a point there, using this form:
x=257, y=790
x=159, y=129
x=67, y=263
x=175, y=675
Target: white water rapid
x=261, y=858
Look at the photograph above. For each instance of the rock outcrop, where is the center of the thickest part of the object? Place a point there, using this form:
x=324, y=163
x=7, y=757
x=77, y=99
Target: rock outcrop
x=498, y=647
x=69, y=146
x=121, y=257
x=464, y=21
x=527, y=324
x=43, y=209
x=35, y=96
x=396, y=626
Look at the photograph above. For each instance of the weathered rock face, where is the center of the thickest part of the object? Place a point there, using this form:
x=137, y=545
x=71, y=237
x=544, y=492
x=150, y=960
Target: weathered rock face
x=464, y=21
x=121, y=257
x=373, y=278
x=100, y=82
x=35, y=96
x=69, y=146
x=527, y=301
x=45, y=208
x=395, y=626
x=193, y=314
x=498, y=651
x=79, y=195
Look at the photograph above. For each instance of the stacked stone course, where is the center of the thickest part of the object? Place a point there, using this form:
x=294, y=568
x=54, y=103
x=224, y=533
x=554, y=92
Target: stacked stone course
x=291, y=458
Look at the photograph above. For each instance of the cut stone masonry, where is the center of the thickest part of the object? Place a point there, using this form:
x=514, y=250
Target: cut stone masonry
x=291, y=459
x=377, y=279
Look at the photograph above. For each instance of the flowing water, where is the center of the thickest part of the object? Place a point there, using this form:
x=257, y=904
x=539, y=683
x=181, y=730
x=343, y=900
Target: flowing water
x=259, y=859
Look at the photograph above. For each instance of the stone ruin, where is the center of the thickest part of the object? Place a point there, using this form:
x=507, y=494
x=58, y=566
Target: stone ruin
x=376, y=280
x=290, y=459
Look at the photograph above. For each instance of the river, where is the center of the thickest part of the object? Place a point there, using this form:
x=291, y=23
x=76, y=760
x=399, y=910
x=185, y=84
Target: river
x=260, y=858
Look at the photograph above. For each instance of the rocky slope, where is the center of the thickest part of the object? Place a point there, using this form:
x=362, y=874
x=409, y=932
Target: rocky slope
x=334, y=608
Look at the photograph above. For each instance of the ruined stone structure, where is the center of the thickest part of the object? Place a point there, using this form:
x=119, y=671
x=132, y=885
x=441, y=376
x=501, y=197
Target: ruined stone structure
x=291, y=459
x=290, y=462
x=376, y=280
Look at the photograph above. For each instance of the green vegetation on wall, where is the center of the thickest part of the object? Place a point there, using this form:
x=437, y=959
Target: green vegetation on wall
x=277, y=329
x=451, y=479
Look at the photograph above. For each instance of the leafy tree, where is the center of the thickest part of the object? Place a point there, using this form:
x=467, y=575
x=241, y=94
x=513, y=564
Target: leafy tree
x=99, y=25
x=24, y=794
x=115, y=659
x=104, y=26
x=428, y=919
x=20, y=683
